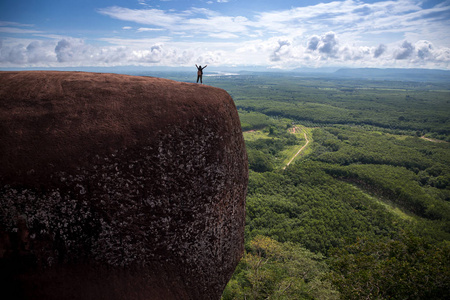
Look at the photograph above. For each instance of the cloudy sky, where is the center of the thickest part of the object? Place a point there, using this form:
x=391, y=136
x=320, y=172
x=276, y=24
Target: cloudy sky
x=274, y=33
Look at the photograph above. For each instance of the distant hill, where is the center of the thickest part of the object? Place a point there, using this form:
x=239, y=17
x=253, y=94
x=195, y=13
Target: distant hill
x=421, y=75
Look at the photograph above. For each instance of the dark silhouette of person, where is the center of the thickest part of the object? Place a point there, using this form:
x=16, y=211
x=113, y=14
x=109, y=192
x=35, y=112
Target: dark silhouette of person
x=200, y=73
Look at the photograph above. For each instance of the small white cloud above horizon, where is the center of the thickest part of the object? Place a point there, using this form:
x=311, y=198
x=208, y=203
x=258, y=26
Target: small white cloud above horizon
x=144, y=29
x=18, y=30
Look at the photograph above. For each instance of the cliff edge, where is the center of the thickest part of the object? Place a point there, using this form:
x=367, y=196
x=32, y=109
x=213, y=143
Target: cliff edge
x=118, y=187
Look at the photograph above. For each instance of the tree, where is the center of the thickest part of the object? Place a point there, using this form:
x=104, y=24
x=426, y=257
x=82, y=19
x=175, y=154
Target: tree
x=273, y=270
x=259, y=161
x=406, y=268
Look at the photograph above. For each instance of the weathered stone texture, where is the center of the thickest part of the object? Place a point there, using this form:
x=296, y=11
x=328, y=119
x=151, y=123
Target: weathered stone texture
x=118, y=187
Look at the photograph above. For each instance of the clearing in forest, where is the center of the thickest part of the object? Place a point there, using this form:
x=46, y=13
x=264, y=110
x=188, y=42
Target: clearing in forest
x=303, y=132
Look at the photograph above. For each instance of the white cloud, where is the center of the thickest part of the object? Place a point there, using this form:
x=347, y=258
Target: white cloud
x=197, y=20
x=379, y=50
x=144, y=29
x=223, y=35
x=354, y=54
x=152, y=55
x=350, y=19
x=154, y=17
x=386, y=33
x=136, y=43
x=281, y=50
x=17, y=30
x=313, y=42
x=14, y=55
x=15, y=24
x=76, y=52
x=424, y=52
x=26, y=52
x=39, y=51
x=328, y=44
x=356, y=19
x=405, y=51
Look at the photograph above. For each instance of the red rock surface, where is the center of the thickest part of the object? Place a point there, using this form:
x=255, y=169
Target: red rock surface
x=118, y=187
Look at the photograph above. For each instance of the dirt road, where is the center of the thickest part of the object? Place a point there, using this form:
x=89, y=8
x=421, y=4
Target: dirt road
x=299, y=151
x=432, y=140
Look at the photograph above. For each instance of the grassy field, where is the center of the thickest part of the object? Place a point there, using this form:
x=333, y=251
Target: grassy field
x=290, y=152
x=253, y=135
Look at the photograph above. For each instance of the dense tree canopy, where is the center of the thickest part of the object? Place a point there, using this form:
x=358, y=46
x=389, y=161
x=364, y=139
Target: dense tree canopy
x=406, y=268
x=364, y=212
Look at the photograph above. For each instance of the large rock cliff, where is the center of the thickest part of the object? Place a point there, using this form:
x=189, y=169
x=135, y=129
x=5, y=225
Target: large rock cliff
x=118, y=187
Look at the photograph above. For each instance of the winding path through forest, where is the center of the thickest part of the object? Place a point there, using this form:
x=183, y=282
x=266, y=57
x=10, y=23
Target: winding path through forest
x=299, y=151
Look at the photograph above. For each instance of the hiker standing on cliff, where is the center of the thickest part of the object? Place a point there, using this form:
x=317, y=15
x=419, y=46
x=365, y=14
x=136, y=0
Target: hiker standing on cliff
x=200, y=73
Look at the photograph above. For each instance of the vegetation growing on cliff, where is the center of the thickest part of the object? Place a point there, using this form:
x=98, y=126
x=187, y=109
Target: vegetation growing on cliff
x=364, y=211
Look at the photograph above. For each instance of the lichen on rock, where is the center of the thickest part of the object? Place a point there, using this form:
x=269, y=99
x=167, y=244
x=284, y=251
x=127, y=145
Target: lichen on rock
x=118, y=187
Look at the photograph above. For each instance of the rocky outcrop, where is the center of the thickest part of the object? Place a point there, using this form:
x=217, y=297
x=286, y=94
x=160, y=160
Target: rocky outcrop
x=118, y=187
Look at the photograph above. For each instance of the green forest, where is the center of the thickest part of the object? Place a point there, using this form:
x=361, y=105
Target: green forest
x=363, y=211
